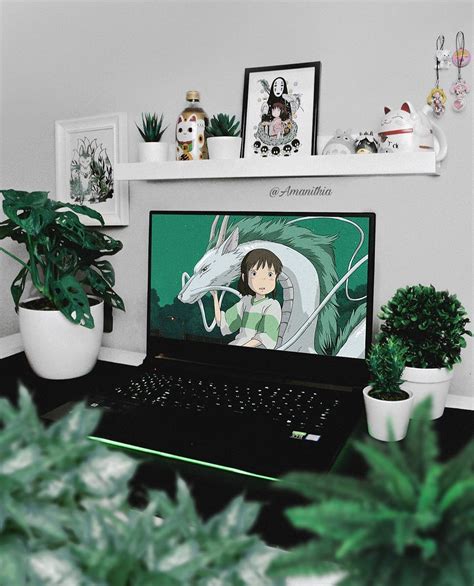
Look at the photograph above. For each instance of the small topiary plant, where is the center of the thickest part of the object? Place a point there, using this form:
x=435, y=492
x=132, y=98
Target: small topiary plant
x=151, y=130
x=222, y=125
x=430, y=323
x=410, y=522
x=386, y=362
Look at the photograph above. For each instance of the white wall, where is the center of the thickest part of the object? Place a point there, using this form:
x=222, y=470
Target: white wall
x=65, y=59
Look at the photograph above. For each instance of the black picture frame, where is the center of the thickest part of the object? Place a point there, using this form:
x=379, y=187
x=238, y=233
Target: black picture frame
x=277, y=140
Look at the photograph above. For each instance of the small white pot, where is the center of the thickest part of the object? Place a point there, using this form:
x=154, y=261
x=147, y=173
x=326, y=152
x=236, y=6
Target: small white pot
x=428, y=382
x=380, y=412
x=57, y=348
x=152, y=152
x=224, y=147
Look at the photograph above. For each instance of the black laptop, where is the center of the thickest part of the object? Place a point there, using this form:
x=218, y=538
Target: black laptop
x=258, y=326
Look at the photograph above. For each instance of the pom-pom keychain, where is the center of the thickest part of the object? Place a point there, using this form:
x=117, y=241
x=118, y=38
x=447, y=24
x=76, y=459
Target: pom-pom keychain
x=437, y=96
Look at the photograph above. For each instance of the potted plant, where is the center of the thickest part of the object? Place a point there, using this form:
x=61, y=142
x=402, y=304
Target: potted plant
x=408, y=522
x=66, y=517
x=62, y=326
x=223, y=137
x=152, y=150
x=387, y=406
x=432, y=325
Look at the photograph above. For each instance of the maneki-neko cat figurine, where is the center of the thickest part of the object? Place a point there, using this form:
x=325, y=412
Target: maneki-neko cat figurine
x=190, y=130
x=411, y=130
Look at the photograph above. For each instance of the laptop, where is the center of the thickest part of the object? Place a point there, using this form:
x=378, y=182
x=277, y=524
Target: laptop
x=258, y=327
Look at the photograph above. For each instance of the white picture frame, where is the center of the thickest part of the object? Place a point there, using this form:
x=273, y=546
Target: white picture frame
x=87, y=151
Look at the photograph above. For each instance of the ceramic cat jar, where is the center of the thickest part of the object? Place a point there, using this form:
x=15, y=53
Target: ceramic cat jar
x=408, y=130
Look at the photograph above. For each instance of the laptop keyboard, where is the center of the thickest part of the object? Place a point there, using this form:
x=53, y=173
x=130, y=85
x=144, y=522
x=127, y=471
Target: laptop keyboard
x=299, y=408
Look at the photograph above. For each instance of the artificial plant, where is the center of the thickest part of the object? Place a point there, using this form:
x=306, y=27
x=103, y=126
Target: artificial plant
x=386, y=361
x=430, y=323
x=65, y=517
x=223, y=125
x=64, y=256
x=410, y=522
x=151, y=130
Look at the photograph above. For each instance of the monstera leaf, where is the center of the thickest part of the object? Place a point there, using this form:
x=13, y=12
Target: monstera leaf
x=70, y=298
x=63, y=254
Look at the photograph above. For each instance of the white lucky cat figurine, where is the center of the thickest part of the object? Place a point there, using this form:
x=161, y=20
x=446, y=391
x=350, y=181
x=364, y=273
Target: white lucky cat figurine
x=409, y=130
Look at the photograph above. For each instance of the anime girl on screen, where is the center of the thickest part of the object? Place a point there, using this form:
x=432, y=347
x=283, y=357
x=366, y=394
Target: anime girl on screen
x=256, y=317
x=310, y=319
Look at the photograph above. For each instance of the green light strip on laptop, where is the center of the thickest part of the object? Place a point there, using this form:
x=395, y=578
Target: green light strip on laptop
x=182, y=458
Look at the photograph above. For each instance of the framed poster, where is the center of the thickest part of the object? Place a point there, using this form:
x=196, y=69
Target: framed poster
x=87, y=150
x=280, y=110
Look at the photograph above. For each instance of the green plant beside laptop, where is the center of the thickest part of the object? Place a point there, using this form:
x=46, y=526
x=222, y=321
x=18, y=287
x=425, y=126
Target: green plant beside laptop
x=431, y=324
x=66, y=266
x=65, y=516
x=410, y=522
x=387, y=406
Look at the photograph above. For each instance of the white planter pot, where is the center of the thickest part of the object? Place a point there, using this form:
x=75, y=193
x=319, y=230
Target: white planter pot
x=428, y=382
x=380, y=412
x=55, y=347
x=152, y=152
x=224, y=147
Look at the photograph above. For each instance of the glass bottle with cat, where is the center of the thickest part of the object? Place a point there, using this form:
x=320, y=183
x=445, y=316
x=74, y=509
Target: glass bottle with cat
x=190, y=130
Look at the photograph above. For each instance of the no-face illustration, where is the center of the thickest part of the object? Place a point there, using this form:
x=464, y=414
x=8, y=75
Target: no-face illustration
x=278, y=86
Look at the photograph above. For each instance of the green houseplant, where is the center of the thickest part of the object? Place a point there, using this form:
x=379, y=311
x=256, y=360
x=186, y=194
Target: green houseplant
x=151, y=131
x=223, y=137
x=65, y=517
x=408, y=523
x=385, y=402
x=65, y=265
x=431, y=325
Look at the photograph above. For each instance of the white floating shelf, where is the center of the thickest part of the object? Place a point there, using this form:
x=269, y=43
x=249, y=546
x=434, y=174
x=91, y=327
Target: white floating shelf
x=313, y=166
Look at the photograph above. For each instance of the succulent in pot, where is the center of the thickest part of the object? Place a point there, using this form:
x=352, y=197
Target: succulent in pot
x=432, y=326
x=223, y=137
x=152, y=150
x=387, y=406
x=61, y=328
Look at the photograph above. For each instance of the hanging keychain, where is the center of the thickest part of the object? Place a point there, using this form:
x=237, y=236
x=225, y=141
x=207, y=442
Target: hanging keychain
x=460, y=88
x=437, y=98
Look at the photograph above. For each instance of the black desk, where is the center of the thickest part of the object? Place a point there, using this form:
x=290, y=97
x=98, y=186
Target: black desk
x=211, y=488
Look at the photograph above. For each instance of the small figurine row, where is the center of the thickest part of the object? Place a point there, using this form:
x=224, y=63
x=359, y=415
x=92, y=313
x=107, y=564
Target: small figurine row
x=401, y=130
x=343, y=143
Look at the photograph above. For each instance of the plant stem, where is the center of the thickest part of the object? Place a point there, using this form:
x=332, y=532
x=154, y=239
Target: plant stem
x=14, y=257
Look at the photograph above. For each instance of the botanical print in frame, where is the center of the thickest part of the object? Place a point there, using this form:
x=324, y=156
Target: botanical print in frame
x=87, y=150
x=280, y=110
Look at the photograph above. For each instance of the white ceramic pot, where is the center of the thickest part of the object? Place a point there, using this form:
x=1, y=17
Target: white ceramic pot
x=57, y=348
x=428, y=382
x=152, y=152
x=224, y=147
x=380, y=412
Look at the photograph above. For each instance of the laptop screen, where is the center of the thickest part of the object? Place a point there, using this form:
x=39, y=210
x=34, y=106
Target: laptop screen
x=268, y=284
